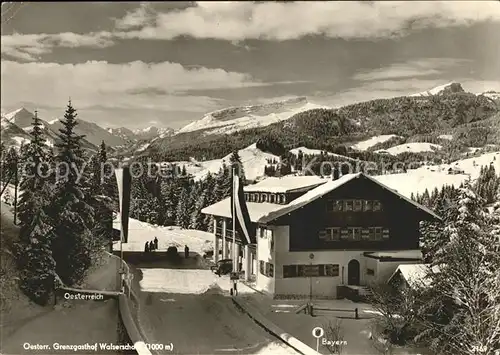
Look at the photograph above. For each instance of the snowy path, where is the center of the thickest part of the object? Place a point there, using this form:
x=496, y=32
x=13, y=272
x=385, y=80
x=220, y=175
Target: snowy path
x=192, y=310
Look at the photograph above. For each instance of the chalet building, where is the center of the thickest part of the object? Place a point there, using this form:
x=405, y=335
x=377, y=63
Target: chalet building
x=315, y=235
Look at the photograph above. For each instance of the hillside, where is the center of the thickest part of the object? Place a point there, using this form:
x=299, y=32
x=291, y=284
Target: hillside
x=415, y=118
x=233, y=119
x=92, y=132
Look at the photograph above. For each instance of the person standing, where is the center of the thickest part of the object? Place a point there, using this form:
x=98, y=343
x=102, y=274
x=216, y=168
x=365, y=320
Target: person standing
x=156, y=243
x=186, y=252
x=146, y=247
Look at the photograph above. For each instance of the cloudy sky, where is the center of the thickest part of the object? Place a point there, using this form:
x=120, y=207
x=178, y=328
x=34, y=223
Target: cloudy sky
x=137, y=64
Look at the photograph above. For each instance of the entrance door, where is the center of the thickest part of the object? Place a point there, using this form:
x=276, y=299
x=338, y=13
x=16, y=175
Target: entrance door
x=353, y=273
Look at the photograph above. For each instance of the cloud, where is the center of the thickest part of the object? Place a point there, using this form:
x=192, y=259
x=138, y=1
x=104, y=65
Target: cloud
x=136, y=18
x=236, y=21
x=412, y=68
x=117, y=87
x=29, y=47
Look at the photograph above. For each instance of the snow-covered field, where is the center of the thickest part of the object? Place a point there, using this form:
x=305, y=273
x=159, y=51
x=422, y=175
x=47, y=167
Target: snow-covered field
x=308, y=151
x=411, y=148
x=430, y=177
x=366, y=144
x=142, y=232
x=253, y=159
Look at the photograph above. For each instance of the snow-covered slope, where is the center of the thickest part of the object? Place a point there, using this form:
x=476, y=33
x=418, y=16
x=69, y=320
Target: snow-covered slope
x=153, y=132
x=12, y=135
x=253, y=159
x=442, y=89
x=366, y=144
x=234, y=119
x=308, y=151
x=410, y=148
x=494, y=95
x=430, y=177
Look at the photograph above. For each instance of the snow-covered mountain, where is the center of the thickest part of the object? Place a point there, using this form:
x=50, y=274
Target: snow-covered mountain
x=123, y=133
x=442, y=90
x=153, y=132
x=20, y=120
x=494, y=95
x=235, y=119
x=13, y=135
x=93, y=133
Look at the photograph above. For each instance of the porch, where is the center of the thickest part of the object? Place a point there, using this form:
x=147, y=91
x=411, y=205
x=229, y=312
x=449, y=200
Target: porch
x=246, y=255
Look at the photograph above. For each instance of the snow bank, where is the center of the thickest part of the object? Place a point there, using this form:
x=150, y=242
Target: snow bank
x=142, y=232
x=364, y=145
x=411, y=148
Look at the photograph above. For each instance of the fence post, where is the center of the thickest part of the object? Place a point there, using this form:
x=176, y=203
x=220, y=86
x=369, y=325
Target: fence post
x=356, y=313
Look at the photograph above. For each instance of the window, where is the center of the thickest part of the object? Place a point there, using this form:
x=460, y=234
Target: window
x=358, y=205
x=334, y=206
x=348, y=205
x=262, y=267
x=246, y=197
x=370, y=272
x=289, y=271
x=260, y=232
x=375, y=233
x=282, y=198
x=263, y=197
x=332, y=270
x=256, y=197
x=272, y=197
x=323, y=234
x=271, y=243
x=335, y=234
x=377, y=206
x=266, y=269
x=367, y=205
x=385, y=233
x=365, y=233
x=356, y=233
x=322, y=270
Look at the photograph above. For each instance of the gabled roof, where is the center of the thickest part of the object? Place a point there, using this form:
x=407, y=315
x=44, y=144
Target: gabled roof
x=328, y=187
x=255, y=210
x=287, y=183
x=415, y=274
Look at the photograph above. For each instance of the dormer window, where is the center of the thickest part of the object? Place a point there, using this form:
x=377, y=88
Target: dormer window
x=282, y=199
x=255, y=197
x=264, y=197
x=272, y=198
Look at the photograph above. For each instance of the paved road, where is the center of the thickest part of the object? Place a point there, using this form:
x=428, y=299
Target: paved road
x=206, y=323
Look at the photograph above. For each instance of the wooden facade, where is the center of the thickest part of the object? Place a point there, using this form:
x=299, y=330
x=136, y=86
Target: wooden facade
x=395, y=222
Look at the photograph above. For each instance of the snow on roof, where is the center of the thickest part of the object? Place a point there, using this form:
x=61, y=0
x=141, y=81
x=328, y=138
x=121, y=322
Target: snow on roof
x=285, y=184
x=327, y=187
x=308, y=197
x=415, y=274
x=255, y=210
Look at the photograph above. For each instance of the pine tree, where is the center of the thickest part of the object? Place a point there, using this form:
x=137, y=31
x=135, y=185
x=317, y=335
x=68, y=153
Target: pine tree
x=198, y=220
x=236, y=164
x=33, y=251
x=182, y=213
x=468, y=280
x=72, y=215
